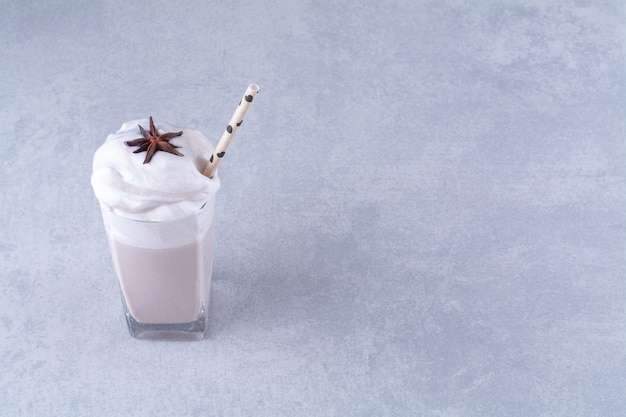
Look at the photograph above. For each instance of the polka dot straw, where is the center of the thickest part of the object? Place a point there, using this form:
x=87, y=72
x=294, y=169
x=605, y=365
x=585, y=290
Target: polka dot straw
x=235, y=121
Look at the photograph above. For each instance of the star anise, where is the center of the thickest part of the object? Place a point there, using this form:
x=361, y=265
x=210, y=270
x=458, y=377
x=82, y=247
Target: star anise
x=152, y=142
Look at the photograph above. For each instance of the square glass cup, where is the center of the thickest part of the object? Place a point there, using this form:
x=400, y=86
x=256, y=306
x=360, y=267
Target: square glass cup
x=164, y=271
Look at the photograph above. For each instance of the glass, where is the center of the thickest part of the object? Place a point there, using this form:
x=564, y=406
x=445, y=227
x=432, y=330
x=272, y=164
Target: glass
x=164, y=270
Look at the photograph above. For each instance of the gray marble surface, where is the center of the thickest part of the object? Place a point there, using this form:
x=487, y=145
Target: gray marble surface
x=424, y=214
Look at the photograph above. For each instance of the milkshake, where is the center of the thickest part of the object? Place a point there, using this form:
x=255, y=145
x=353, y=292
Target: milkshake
x=159, y=215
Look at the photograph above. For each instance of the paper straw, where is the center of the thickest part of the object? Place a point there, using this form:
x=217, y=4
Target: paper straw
x=235, y=121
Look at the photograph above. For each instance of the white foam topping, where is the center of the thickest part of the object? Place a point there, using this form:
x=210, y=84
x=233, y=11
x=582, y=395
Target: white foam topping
x=169, y=187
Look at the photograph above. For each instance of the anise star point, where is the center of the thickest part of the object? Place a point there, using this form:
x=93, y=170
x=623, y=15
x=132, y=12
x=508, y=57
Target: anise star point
x=151, y=142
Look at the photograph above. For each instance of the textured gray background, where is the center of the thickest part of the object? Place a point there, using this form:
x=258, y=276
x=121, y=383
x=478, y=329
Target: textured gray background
x=424, y=214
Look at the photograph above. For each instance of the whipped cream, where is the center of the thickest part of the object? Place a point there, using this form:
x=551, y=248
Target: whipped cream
x=169, y=187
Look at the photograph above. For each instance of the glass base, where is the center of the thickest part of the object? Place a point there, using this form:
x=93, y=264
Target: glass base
x=194, y=330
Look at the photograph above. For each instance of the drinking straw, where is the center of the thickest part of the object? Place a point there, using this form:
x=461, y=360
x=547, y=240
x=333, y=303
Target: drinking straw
x=235, y=121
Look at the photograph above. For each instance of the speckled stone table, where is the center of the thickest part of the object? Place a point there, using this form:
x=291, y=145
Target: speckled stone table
x=424, y=214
